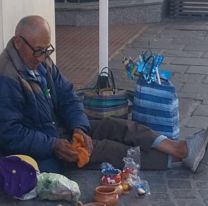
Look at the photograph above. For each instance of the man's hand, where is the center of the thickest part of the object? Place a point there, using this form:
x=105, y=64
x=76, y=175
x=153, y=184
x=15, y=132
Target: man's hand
x=63, y=151
x=87, y=140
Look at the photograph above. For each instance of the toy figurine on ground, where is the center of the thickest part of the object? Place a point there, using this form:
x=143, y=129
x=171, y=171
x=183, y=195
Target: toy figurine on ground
x=147, y=66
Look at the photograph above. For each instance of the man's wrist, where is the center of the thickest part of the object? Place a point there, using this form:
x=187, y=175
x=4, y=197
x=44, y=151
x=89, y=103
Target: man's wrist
x=78, y=130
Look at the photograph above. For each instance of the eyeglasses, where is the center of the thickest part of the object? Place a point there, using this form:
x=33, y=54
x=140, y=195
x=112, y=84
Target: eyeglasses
x=39, y=52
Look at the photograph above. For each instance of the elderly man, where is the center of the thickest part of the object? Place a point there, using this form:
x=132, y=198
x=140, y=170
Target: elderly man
x=36, y=100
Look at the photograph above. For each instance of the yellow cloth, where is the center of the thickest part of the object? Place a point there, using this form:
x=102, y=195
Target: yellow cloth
x=29, y=160
x=79, y=147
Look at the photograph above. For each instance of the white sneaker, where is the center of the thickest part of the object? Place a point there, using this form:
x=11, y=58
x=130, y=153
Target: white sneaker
x=196, y=145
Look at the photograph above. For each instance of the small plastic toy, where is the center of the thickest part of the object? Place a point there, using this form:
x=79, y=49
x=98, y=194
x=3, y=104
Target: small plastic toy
x=142, y=187
x=147, y=66
x=111, y=176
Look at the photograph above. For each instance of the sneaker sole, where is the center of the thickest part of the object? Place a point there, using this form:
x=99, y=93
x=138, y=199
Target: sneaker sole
x=201, y=154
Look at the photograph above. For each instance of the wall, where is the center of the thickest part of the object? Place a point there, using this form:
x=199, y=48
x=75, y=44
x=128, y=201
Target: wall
x=11, y=11
x=120, y=12
x=1, y=27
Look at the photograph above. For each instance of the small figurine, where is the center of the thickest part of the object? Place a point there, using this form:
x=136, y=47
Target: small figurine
x=147, y=66
x=111, y=176
x=142, y=187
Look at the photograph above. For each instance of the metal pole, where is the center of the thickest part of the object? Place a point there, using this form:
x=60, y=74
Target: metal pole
x=103, y=34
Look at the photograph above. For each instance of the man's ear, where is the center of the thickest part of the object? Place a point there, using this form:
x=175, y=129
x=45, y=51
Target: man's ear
x=17, y=42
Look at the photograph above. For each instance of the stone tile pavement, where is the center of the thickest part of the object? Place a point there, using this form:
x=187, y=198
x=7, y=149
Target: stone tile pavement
x=78, y=49
x=185, y=46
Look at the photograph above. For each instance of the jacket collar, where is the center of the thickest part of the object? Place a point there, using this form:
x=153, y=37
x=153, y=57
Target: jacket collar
x=18, y=63
x=15, y=57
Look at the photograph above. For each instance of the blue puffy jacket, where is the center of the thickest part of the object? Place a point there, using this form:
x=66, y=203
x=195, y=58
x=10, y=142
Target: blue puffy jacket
x=30, y=113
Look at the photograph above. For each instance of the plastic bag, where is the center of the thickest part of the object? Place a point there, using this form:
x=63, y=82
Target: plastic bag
x=142, y=188
x=134, y=153
x=53, y=186
x=130, y=166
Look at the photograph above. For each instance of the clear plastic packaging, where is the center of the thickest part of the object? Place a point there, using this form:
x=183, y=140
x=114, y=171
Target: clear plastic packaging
x=106, y=165
x=132, y=161
x=134, y=153
x=142, y=188
x=111, y=175
x=130, y=166
x=130, y=173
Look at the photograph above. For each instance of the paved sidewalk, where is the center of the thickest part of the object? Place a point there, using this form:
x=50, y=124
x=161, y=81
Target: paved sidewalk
x=185, y=46
x=78, y=49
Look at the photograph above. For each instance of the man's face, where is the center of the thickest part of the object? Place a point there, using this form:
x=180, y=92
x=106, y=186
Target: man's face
x=34, y=49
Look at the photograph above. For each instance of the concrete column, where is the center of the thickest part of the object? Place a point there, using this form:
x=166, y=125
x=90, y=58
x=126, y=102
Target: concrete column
x=1, y=28
x=11, y=11
x=103, y=34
